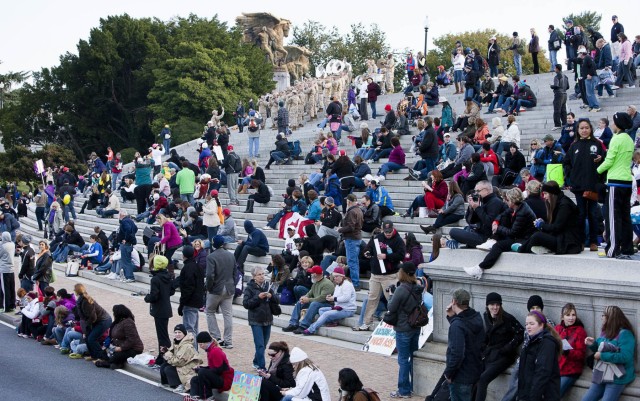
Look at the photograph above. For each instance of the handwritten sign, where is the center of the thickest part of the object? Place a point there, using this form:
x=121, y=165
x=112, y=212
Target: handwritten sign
x=245, y=387
x=382, y=340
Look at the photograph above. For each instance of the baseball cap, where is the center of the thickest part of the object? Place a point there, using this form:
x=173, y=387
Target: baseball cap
x=315, y=270
x=387, y=227
x=368, y=177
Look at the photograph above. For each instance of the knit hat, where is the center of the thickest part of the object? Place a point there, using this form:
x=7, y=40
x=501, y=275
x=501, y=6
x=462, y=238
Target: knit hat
x=213, y=193
x=297, y=355
x=338, y=271
x=188, y=251
x=203, y=337
x=522, y=84
x=535, y=300
x=409, y=268
x=329, y=201
x=226, y=212
x=160, y=262
x=180, y=327
x=622, y=121
x=494, y=298
x=387, y=107
x=230, y=147
x=218, y=241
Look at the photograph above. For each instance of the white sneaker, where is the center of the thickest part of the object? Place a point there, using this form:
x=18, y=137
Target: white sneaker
x=267, y=228
x=475, y=272
x=111, y=276
x=540, y=250
x=380, y=179
x=487, y=245
x=179, y=389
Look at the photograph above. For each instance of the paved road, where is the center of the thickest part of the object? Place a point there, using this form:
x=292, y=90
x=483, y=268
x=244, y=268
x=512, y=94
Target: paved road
x=41, y=373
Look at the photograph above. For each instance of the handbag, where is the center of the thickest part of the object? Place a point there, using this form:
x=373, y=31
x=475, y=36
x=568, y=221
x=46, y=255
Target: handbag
x=276, y=310
x=556, y=44
x=591, y=195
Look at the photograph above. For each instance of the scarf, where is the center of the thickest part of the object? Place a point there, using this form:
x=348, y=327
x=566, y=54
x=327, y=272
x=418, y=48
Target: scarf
x=275, y=361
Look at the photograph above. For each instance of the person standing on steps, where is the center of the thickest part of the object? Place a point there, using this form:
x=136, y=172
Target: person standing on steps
x=159, y=300
x=240, y=116
x=232, y=167
x=516, y=47
x=560, y=86
x=282, y=119
x=534, y=49
x=220, y=285
x=554, y=45
x=373, y=91
x=363, y=96
x=192, y=293
x=165, y=136
x=126, y=239
x=351, y=231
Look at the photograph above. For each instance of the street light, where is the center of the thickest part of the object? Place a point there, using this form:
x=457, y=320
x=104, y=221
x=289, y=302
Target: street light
x=1, y=95
x=426, y=30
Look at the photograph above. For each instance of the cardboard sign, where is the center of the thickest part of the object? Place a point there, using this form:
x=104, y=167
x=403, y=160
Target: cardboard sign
x=382, y=340
x=426, y=331
x=245, y=387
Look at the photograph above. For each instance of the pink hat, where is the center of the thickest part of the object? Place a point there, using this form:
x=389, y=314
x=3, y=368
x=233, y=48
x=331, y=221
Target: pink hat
x=338, y=271
x=226, y=212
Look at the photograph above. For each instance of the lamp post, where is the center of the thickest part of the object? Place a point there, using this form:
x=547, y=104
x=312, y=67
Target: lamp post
x=1, y=95
x=426, y=31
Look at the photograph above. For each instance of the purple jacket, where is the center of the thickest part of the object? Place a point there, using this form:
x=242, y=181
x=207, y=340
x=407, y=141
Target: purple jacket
x=397, y=155
x=414, y=255
x=68, y=303
x=170, y=236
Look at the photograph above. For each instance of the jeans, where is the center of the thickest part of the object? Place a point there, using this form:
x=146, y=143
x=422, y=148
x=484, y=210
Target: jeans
x=187, y=197
x=95, y=348
x=389, y=166
x=428, y=163
x=314, y=178
x=493, y=70
x=553, y=57
x=588, y=211
x=254, y=145
x=190, y=320
x=106, y=213
x=603, y=392
x=502, y=146
x=382, y=153
x=407, y=344
x=517, y=62
x=342, y=127
x=166, y=144
x=278, y=156
x=225, y=303
x=520, y=103
x=327, y=315
x=299, y=290
x=40, y=216
x=590, y=86
x=211, y=232
x=378, y=313
x=607, y=87
x=624, y=74
x=69, y=208
x=276, y=219
x=261, y=336
x=352, y=248
x=373, y=110
x=58, y=333
x=460, y=392
x=312, y=311
x=126, y=262
x=571, y=54
x=239, y=122
x=496, y=101
x=69, y=335
x=566, y=382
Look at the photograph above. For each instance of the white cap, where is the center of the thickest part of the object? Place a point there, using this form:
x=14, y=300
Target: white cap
x=368, y=177
x=297, y=355
x=582, y=49
x=204, y=145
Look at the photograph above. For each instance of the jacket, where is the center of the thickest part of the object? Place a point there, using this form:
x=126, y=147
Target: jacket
x=493, y=53
x=259, y=309
x=210, y=216
x=464, y=347
x=228, y=228
x=502, y=338
x=492, y=158
x=536, y=203
x=429, y=144
x=184, y=357
x=352, y=223
x=454, y=205
x=579, y=164
x=552, y=38
x=127, y=231
x=284, y=373
x=448, y=151
x=517, y=224
x=618, y=160
x=397, y=155
x=514, y=162
x=192, y=284
x=389, y=121
x=539, y=373
x=381, y=196
x=89, y=314
x=143, y=172
x=560, y=84
x=394, y=249
x=124, y=334
x=283, y=146
x=43, y=268
x=604, y=58
x=588, y=68
x=464, y=154
x=572, y=361
x=505, y=90
x=404, y=301
x=27, y=268
x=186, y=180
x=312, y=243
x=626, y=343
x=344, y=296
x=527, y=94
x=256, y=238
x=371, y=214
x=440, y=190
x=372, y=92
x=569, y=234
x=159, y=296
x=311, y=385
x=330, y=217
x=320, y=289
x=170, y=236
x=219, y=276
x=512, y=134
x=485, y=214
x=218, y=362
x=6, y=257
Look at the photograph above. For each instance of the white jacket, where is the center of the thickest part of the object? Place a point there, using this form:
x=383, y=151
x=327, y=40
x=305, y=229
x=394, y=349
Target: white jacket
x=114, y=203
x=345, y=296
x=512, y=134
x=32, y=310
x=210, y=216
x=458, y=62
x=305, y=380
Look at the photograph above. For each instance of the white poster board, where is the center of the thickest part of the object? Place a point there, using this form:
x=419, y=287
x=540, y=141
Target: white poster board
x=426, y=331
x=217, y=150
x=382, y=340
x=378, y=252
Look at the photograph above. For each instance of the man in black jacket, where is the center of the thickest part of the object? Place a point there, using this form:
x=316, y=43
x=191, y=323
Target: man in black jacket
x=464, y=348
x=191, y=283
x=428, y=147
x=560, y=87
x=589, y=75
x=281, y=154
x=484, y=207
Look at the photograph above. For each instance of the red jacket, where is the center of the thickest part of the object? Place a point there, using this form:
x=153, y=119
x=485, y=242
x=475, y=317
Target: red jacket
x=160, y=204
x=571, y=362
x=492, y=158
x=217, y=360
x=440, y=191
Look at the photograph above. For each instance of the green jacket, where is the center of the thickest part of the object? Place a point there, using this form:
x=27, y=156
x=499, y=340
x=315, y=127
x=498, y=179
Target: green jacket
x=186, y=180
x=617, y=164
x=320, y=289
x=626, y=342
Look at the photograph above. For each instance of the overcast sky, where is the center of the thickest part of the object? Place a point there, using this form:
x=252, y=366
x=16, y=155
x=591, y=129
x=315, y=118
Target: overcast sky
x=34, y=33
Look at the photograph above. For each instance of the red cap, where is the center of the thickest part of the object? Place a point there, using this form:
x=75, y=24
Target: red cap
x=230, y=147
x=315, y=270
x=387, y=107
x=342, y=152
x=214, y=192
x=226, y=212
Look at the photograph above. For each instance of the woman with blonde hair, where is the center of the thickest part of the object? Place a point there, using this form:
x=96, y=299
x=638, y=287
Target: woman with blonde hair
x=94, y=321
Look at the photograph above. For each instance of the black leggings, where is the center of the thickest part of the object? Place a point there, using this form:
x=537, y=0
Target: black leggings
x=540, y=239
x=492, y=370
x=120, y=358
x=206, y=380
x=169, y=375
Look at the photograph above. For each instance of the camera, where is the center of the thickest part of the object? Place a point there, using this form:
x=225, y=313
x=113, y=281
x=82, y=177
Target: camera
x=475, y=197
x=391, y=289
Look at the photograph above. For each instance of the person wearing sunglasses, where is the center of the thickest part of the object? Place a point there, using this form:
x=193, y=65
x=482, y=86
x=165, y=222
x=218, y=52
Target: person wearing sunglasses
x=279, y=375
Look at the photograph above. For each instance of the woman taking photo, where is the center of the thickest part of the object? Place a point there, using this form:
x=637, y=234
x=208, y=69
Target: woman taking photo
x=406, y=297
x=279, y=375
x=94, y=321
x=180, y=360
x=260, y=300
x=617, y=332
x=124, y=337
x=539, y=374
x=572, y=360
x=581, y=167
x=504, y=334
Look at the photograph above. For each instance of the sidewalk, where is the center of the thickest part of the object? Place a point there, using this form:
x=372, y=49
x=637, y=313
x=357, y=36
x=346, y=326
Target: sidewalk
x=375, y=371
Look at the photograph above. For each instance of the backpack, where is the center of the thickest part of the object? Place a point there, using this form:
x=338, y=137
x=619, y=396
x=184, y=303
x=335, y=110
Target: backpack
x=234, y=162
x=419, y=316
x=520, y=48
x=371, y=394
x=253, y=126
x=378, y=90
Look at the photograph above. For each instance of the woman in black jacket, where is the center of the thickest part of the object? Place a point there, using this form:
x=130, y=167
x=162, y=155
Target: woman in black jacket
x=504, y=334
x=580, y=164
x=257, y=299
x=514, y=161
x=476, y=174
x=262, y=194
x=159, y=300
x=313, y=244
x=561, y=233
x=279, y=375
x=539, y=372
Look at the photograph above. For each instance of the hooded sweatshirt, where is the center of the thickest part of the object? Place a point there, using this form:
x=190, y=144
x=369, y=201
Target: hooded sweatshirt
x=256, y=237
x=6, y=256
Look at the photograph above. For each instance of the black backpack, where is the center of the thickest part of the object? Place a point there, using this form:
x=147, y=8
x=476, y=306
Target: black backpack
x=234, y=162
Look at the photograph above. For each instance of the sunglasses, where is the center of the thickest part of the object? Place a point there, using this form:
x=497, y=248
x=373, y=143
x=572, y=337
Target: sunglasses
x=271, y=355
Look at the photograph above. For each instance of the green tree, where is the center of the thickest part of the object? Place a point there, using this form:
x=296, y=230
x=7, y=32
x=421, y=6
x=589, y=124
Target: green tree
x=315, y=37
x=585, y=19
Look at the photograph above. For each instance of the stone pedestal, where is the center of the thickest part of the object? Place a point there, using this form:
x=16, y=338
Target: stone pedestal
x=586, y=281
x=281, y=76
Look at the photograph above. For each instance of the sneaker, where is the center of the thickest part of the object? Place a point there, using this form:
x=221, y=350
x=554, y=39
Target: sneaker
x=112, y=276
x=299, y=330
x=290, y=328
x=540, y=250
x=614, y=87
x=584, y=106
x=396, y=394
x=179, y=389
x=555, y=128
x=595, y=109
x=611, y=96
x=475, y=272
x=623, y=256
x=129, y=280
x=415, y=175
x=75, y=356
x=64, y=351
x=515, y=247
x=364, y=327
x=452, y=244
x=307, y=333
x=487, y=245
x=267, y=228
x=57, y=346
x=226, y=345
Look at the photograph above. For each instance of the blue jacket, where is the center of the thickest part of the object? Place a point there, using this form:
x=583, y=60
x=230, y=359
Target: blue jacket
x=604, y=60
x=381, y=197
x=300, y=207
x=448, y=151
x=127, y=231
x=314, y=210
x=98, y=166
x=626, y=342
x=143, y=172
x=333, y=189
x=94, y=251
x=256, y=237
x=464, y=349
x=361, y=170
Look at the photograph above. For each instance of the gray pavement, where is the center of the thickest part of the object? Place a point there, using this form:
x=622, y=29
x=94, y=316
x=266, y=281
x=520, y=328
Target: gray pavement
x=36, y=372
